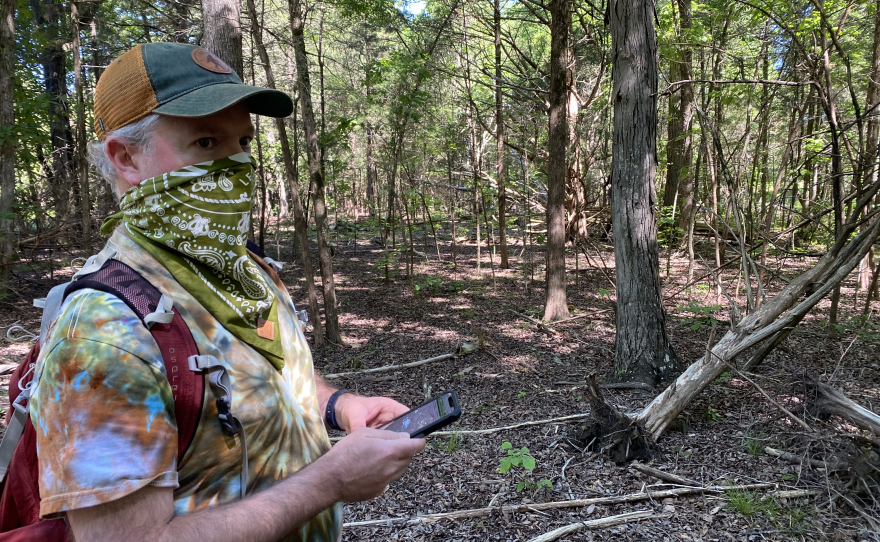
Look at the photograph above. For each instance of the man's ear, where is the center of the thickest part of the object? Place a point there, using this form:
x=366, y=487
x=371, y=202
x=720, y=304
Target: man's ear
x=120, y=155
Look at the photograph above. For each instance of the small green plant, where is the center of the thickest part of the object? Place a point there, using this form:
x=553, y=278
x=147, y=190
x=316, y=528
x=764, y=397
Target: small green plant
x=453, y=443
x=699, y=316
x=712, y=415
x=483, y=407
x=754, y=443
x=521, y=395
x=516, y=457
x=745, y=502
x=604, y=292
x=533, y=486
x=429, y=285
x=724, y=377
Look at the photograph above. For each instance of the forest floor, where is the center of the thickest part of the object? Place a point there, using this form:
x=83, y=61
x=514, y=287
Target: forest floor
x=522, y=373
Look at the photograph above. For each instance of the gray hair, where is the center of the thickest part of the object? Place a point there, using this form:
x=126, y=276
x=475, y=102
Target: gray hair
x=139, y=134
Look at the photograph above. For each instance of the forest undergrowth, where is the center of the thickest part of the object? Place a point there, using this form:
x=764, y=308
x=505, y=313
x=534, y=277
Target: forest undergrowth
x=525, y=372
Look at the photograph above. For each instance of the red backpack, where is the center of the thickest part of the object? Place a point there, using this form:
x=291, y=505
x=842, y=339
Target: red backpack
x=20, y=499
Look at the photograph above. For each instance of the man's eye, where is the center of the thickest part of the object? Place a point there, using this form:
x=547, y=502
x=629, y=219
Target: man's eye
x=204, y=142
x=245, y=141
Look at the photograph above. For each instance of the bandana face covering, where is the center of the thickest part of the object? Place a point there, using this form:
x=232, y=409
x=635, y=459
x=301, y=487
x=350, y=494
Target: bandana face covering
x=195, y=220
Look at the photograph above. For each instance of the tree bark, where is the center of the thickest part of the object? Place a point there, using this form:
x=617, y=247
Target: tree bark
x=222, y=31
x=687, y=179
x=642, y=351
x=7, y=142
x=299, y=219
x=499, y=132
x=316, y=172
x=82, y=166
x=556, y=302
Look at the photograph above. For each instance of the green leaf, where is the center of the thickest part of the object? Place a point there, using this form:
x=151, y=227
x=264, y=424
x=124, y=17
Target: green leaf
x=528, y=462
x=520, y=486
x=524, y=450
x=506, y=445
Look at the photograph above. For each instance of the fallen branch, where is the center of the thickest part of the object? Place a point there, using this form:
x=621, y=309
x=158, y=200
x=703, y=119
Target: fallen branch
x=610, y=521
x=797, y=460
x=621, y=499
x=514, y=426
x=462, y=349
x=776, y=403
x=611, y=385
x=541, y=325
x=665, y=476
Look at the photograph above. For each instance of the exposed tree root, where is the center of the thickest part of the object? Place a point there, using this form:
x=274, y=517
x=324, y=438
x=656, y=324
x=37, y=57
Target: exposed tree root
x=612, y=433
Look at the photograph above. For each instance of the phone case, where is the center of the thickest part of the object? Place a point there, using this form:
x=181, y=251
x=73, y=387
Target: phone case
x=449, y=418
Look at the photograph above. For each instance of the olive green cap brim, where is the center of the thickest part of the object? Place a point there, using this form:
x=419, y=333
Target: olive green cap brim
x=210, y=99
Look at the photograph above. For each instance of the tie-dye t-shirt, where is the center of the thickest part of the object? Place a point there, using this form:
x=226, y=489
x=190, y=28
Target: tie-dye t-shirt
x=104, y=414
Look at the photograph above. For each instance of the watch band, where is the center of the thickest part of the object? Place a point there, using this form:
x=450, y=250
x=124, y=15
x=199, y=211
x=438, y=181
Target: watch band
x=330, y=413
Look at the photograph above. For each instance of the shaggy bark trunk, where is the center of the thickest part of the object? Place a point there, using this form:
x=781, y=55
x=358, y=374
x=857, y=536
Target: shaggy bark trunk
x=82, y=166
x=7, y=145
x=316, y=172
x=556, y=303
x=222, y=31
x=299, y=218
x=643, y=352
x=499, y=156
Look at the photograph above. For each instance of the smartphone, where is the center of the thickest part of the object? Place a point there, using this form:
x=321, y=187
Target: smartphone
x=427, y=418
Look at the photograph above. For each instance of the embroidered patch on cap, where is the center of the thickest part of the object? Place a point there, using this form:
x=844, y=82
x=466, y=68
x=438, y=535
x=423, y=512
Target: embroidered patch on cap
x=266, y=329
x=209, y=61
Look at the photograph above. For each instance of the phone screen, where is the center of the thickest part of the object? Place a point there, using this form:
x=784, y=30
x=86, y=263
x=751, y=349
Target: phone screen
x=415, y=420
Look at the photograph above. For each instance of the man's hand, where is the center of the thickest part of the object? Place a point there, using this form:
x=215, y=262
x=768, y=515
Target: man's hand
x=354, y=412
x=367, y=460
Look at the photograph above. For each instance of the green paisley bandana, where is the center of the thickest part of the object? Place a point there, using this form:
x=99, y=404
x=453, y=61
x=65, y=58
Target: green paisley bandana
x=195, y=221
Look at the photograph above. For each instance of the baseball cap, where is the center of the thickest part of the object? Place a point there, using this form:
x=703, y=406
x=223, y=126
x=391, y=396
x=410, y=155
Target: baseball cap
x=175, y=79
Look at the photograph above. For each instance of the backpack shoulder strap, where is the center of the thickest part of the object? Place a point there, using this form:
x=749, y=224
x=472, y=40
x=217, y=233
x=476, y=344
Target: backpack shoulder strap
x=170, y=332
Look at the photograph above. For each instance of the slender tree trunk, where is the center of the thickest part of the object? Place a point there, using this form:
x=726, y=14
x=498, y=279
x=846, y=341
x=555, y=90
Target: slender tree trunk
x=643, y=351
x=82, y=166
x=686, y=185
x=499, y=156
x=299, y=219
x=556, y=301
x=7, y=144
x=316, y=172
x=221, y=25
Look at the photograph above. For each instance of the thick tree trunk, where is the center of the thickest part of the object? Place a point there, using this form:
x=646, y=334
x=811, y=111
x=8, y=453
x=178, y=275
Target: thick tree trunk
x=499, y=155
x=82, y=166
x=221, y=24
x=50, y=16
x=290, y=173
x=316, y=172
x=642, y=351
x=556, y=302
x=7, y=145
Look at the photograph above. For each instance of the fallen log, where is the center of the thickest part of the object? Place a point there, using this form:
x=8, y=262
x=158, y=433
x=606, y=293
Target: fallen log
x=774, y=316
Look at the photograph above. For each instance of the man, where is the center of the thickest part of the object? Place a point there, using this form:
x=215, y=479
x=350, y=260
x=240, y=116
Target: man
x=174, y=130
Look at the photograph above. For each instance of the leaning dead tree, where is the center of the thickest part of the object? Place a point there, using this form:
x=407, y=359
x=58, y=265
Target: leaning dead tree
x=767, y=325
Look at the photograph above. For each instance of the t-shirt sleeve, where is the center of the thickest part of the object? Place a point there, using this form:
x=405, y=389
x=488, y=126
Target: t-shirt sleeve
x=103, y=414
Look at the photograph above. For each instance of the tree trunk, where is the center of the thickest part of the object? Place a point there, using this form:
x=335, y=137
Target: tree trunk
x=50, y=17
x=556, y=302
x=7, y=144
x=642, y=351
x=222, y=31
x=316, y=172
x=290, y=173
x=686, y=184
x=499, y=130
x=82, y=166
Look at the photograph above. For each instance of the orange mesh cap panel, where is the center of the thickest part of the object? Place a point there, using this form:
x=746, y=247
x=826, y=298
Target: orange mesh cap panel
x=124, y=93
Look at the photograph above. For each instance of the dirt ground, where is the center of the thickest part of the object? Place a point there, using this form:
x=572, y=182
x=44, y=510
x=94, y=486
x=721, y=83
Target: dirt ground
x=522, y=373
